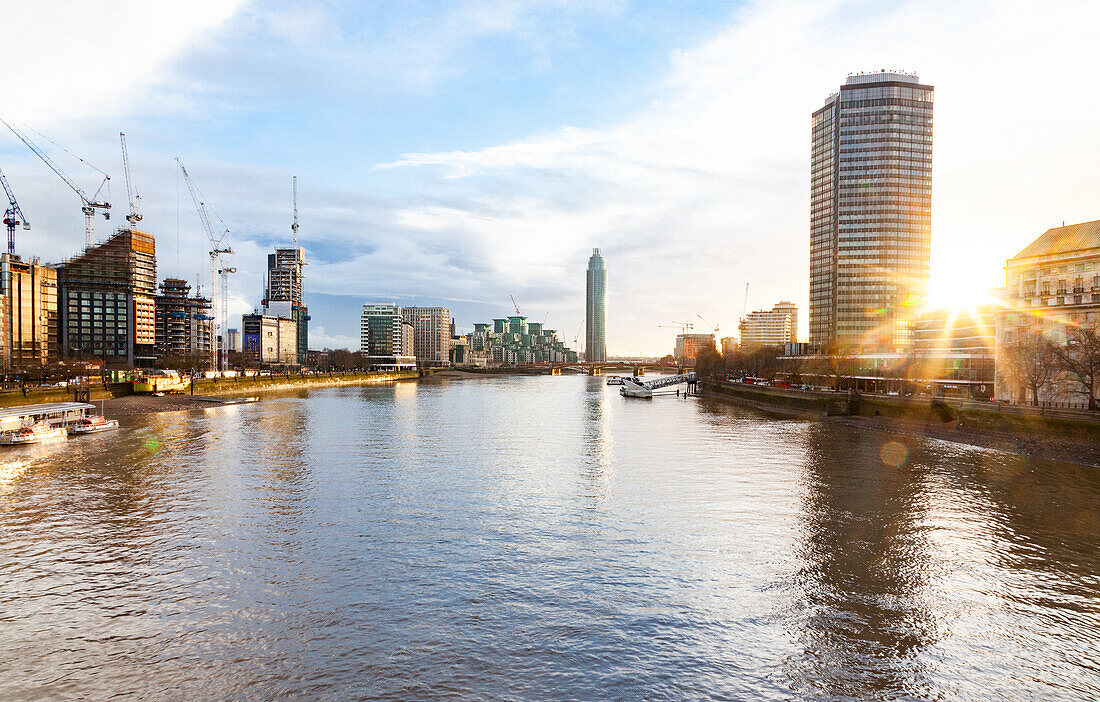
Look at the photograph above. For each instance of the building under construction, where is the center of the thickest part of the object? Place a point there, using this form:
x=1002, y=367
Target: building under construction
x=29, y=324
x=283, y=294
x=107, y=301
x=184, y=325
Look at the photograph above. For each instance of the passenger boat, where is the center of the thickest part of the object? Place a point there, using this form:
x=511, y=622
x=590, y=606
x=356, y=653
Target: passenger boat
x=36, y=433
x=614, y=380
x=93, y=424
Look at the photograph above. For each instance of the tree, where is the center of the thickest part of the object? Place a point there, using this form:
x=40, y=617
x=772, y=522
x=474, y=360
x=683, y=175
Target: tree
x=1080, y=359
x=839, y=357
x=708, y=363
x=1033, y=363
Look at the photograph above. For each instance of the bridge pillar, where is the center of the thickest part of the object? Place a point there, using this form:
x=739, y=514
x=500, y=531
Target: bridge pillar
x=555, y=371
x=596, y=370
x=640, y=371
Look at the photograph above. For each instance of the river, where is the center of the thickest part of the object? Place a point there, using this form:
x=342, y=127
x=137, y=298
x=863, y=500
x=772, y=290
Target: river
x=540, y=538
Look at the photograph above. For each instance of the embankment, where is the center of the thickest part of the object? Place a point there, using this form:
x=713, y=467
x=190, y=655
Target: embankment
x=224, y=387
x=1053, y=434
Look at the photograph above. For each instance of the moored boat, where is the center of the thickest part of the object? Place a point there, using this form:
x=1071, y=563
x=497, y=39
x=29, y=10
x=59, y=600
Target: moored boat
x=92, y=425
x=614, y=380
x=36, y=433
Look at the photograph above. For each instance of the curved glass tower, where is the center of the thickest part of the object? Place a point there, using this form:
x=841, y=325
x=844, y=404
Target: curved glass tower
x=595, y=319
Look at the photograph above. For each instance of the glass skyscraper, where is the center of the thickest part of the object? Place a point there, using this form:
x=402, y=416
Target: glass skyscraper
x=595, y=318
x=870, y=212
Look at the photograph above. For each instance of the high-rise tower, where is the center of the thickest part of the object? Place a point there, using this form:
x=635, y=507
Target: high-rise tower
x=870, y=211
x=595, y=319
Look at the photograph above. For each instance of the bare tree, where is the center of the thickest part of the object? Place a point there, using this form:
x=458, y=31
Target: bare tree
x=1032, y=362
x=1080, y=359
x=839, y=357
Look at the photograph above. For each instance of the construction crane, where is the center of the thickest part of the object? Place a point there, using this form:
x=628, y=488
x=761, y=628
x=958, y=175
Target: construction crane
x=218, y=246
x=13, y=216
x=715, y=326
x=224, y=273
x=745, y=307
x=684, y=327
x=88, y=205
x=131, y=194
x=518, y=313
x=294, y=226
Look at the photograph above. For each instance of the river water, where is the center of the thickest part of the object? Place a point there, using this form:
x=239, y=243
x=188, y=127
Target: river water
x=540, y=538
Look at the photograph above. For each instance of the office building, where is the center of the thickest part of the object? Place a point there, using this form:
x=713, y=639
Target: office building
x=269, y=340
x=1052, y=287
x=728, y=345
x=106, y=301
x=283, y=293
x=29, y=323
x=774, y=327
x=184, y=326
x=870, y=212
x=595, y=306
x=431, y=328
x=233, y=340
x=386, y=339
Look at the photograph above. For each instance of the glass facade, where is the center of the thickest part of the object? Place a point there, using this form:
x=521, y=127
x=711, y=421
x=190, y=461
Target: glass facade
x=595, y=319
x=870, y=212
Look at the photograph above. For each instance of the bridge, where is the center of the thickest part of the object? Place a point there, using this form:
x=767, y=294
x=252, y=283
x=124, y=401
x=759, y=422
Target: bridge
x=634, y=368
x=645, y=388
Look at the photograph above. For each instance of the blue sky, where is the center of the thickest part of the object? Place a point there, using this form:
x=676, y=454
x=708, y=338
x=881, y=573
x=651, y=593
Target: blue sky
x=457, y=153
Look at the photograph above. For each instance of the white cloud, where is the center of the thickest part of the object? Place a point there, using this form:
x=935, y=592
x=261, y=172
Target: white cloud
x=707, y=188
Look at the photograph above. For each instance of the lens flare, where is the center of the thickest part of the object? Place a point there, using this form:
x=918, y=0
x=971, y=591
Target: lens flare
x=894, y=454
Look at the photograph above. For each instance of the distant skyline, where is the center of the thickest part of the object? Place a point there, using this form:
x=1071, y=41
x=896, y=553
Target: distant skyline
x=454, y=155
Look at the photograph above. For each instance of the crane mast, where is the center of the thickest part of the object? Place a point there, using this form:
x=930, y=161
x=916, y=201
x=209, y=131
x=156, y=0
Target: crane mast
x=294, y=226
x=89, y=205
x=13, y=216
x=134, y=199
x=218, y=246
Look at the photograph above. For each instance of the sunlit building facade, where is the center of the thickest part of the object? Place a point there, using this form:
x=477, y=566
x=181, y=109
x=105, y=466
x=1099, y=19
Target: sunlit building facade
x=774, y=327
x=1052, y=286
x=28, y=297
x=688, y=347
x=870, y=212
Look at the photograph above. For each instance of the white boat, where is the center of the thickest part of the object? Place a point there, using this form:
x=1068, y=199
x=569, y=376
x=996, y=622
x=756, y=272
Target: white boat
x=37, y=433
x=93, y=424
x=614, y=380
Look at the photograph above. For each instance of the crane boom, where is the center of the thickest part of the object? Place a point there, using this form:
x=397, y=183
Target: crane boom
x=134, y=217
x=518, y=313
x=13, y=216
x=218, y=246
x=88, y=204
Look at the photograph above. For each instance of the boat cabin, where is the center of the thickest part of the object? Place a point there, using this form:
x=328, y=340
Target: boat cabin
x=57, y=414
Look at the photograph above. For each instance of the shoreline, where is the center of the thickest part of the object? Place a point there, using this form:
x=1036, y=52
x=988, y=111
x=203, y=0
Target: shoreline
x=1084, y=451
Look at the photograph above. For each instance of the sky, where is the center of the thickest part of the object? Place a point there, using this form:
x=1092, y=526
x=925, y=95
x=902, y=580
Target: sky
x=461, y=153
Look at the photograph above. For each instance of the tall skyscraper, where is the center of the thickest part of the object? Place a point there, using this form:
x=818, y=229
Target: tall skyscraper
x=431, y=334
x=595, y=317
x=870, y=211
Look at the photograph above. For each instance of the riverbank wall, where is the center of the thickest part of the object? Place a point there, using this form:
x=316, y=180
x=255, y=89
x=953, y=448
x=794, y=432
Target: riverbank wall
x=207, y=387
x=988, y=416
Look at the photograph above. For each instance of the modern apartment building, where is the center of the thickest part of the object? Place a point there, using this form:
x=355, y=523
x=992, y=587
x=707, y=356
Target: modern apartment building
x=184, y=325
x=431, y=334
x=595, y=317
x=1052, y=286
x=513, y=340
x=774, y=327
x=29, y=323
x=106, y=300
x=688, y=347
x=386, y=339
x=870, y=212
x=283, y=293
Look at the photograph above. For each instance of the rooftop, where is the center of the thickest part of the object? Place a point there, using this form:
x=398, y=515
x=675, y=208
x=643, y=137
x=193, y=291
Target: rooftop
x=1072, y=237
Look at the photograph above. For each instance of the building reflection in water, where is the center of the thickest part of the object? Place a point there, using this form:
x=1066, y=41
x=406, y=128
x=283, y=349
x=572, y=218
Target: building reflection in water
x=860, y=613
x=597, y=443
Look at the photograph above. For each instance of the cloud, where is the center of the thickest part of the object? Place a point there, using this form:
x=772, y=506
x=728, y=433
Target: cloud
x=707, y=188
